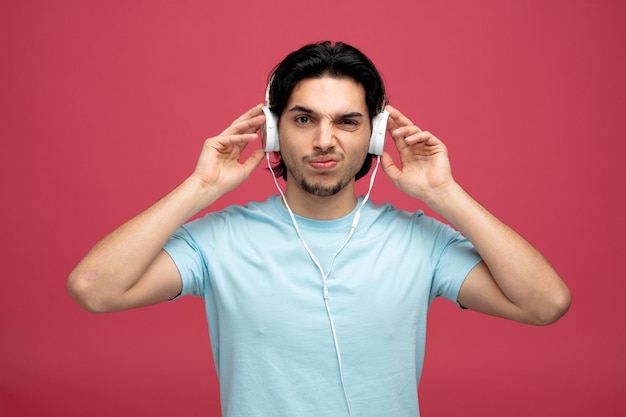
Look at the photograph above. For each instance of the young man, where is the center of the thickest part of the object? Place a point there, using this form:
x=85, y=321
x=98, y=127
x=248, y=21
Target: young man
x=317, y=299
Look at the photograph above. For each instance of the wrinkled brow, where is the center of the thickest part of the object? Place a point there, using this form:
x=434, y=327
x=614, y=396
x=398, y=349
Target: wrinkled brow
x=302, y=109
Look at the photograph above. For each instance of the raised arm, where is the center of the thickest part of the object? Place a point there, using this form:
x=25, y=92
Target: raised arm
x=514, y=281
x=128, y=268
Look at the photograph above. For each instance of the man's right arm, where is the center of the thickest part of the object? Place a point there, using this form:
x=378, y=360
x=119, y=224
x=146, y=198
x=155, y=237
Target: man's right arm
x=128, y=268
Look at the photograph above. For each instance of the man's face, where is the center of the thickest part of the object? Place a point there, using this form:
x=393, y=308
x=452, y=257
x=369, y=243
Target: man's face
x=324, y=134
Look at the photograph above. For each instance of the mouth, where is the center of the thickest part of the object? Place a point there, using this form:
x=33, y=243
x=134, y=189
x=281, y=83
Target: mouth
x=323, y=162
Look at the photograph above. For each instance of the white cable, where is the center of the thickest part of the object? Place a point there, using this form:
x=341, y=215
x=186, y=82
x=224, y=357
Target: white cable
x=357, y=215
x=355, y=221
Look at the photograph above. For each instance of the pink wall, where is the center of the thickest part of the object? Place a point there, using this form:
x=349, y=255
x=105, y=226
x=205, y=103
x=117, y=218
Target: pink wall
x=104, y=109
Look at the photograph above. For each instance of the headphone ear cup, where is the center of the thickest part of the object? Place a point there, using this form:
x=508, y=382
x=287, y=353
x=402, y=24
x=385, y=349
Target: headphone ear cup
x=269, y=131
x=379, y=131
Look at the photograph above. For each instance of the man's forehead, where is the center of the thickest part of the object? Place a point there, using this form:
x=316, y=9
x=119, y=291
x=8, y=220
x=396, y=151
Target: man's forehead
x=328, y=94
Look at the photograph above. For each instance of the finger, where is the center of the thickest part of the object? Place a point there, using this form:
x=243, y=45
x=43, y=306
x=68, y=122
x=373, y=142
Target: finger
x=253, y=160
x=224, y=142
x=424, y=137
x=245, y=125
x=398, y=119
x=255, y=111
x=400, y=135
x=404, y=132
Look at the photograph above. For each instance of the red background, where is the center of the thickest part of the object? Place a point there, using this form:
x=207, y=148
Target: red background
x=105, y=105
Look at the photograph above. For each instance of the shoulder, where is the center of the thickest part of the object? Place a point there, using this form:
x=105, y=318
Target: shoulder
x=232, y=224
x=388, y=218
x=388, y=213
x=247, y=212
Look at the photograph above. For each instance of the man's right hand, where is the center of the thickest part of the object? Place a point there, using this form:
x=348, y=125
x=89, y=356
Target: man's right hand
x=219, y=167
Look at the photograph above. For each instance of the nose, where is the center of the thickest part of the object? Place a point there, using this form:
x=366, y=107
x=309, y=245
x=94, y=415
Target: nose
x=325, y=137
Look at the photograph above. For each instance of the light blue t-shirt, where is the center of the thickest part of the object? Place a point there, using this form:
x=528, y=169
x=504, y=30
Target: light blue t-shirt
x=270, y=332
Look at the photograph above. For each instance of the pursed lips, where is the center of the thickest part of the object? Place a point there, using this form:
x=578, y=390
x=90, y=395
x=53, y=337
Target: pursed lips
x=323, y=162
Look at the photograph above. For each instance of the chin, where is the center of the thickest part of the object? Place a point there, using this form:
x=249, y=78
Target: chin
x=321, y=190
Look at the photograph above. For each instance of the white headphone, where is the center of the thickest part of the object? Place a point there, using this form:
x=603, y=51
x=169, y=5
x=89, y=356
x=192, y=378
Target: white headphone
x=269, y=131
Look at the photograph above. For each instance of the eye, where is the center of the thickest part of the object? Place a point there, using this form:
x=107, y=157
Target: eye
x=302, y=120
x=349, y=124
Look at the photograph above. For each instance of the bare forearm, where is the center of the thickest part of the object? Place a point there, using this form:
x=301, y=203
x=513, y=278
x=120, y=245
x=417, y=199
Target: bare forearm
x=502, y=249
x=128, y=268
x=119, y=260
x=522, y=274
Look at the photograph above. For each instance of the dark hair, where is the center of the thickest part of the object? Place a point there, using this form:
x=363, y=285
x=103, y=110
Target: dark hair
x=319, y=59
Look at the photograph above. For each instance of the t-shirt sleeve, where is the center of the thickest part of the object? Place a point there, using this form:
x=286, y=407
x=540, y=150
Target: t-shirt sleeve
x=186, y=254
x=453, y=258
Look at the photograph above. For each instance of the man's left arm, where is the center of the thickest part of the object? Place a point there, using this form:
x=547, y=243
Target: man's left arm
x=514, y=281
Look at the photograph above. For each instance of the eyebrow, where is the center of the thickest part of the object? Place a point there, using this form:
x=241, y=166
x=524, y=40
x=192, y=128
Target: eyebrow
x=349, y=115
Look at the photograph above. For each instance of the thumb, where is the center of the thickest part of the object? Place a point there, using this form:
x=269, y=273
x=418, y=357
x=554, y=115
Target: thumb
x=389, y=167
x=253, y=161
